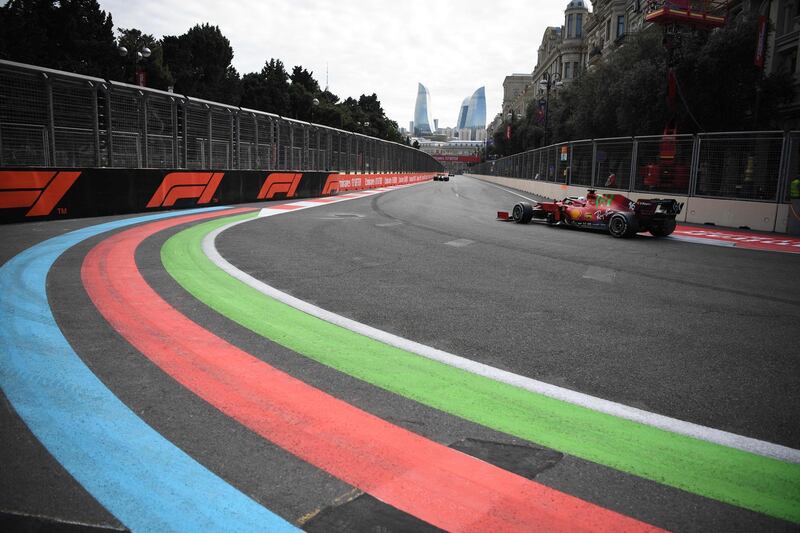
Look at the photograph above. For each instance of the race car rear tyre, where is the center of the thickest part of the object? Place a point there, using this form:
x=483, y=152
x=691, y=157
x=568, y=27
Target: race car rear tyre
x=522, y=213
x=664, y=229
x=621, y=226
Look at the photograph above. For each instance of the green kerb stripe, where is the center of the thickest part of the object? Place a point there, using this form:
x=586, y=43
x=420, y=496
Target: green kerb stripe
x=758, y=483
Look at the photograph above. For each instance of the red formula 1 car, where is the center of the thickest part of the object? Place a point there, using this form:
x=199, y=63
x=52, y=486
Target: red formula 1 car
x=616, y=213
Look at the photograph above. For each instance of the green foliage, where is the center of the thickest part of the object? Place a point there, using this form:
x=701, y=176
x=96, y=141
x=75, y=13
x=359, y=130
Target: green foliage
x=72, y=35
x=622, y=96
x=76, y=36
x=200, y=61
x=158, y=75
x=267, y=90
x=721, y=84
x=719, y=89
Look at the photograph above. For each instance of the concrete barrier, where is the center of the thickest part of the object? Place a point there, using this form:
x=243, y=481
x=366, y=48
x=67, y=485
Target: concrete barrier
x=36, y=194
x=760, y=216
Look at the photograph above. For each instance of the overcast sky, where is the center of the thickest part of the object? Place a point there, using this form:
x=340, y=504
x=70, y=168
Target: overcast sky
x=382, y=46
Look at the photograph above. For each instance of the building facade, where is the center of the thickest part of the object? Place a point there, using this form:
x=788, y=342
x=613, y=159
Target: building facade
x=454, y=155
x=514, y=86
x=423, y=125
x=471, y=123
x=588, y=37
x=783, y=45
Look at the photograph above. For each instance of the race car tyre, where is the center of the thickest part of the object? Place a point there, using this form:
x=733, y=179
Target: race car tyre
x=664, y=229
x=621, y=226
x=446, y=178
x=522, y=213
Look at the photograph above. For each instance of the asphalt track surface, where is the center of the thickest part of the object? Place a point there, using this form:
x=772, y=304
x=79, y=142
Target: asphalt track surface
x=698, y=333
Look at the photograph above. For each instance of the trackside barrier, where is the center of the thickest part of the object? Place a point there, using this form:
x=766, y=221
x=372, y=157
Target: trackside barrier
x=47, y=193
x=62, y=133
x=736, y=179
x=50, y=118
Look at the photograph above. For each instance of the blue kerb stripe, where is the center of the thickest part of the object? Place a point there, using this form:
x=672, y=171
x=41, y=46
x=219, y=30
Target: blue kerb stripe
x=148, y=483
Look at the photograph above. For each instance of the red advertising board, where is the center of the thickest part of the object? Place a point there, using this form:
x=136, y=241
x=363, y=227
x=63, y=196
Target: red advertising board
x=761, y=44
x=458, y=158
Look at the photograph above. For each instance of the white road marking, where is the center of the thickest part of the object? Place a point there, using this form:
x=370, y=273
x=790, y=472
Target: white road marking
x=606, y=275
x=681, y=427
x=458, y=243
x=698, y=240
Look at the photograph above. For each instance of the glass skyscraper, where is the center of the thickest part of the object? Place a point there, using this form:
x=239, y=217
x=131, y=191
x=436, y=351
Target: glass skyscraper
x=423, y=125
x=475, y=117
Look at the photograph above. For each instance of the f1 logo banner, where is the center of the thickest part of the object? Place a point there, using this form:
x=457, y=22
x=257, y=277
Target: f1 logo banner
x=49, y=193
x=40, y=190
x=280, y=182
x=179, y=185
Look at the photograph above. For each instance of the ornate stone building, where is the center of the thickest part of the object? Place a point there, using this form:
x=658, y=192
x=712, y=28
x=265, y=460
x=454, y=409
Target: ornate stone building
x=561, y=55
x=609, y=23
x=588, y=37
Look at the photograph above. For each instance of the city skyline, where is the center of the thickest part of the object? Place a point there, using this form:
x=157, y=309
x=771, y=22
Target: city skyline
x=375, y=56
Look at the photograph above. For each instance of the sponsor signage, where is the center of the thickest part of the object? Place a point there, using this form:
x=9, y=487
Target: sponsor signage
x=761, y=44
x=458, y=158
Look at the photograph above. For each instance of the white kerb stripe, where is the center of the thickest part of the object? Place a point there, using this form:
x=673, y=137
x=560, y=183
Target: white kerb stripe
x=674, y=425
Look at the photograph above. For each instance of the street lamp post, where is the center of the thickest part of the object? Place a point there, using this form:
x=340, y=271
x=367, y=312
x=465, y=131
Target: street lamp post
x=137, y=55
x=314, y=103
x=548, y=81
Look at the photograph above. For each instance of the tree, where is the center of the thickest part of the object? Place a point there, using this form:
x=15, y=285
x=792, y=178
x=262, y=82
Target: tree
x=72, y=35
x=721, y=85
x=718, y=89
x=267, y=90
x=302, y=92
x=623, y=96
x=158, y=75
x=200, y=61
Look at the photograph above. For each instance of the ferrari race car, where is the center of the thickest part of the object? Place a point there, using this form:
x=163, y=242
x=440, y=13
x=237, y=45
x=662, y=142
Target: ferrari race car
x=441, y=177
x=616, y=213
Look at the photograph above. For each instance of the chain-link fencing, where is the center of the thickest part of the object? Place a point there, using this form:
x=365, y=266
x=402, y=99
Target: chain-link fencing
x=755, y=166
x=50, y=118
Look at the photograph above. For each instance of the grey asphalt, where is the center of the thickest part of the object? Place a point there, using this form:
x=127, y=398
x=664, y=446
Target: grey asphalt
x=701, y=333
x=696, y=332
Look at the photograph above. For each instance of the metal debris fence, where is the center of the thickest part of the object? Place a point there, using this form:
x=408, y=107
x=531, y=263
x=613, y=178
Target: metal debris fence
x=751, y=165
x=50, y=118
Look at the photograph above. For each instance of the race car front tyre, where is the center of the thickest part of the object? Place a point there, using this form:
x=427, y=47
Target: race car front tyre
x=621, y=226
x=663, y=229
x=522, y=213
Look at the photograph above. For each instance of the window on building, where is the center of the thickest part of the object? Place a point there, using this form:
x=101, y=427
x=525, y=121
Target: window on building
x=567, y=70
x=787, y=61
x=620, y=26
x=579, y=25
x=576, y=69
x=788, y=23
x=608, y=29
x=569, y=26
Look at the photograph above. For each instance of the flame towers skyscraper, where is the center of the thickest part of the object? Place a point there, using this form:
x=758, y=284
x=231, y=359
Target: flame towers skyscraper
x=423, y=125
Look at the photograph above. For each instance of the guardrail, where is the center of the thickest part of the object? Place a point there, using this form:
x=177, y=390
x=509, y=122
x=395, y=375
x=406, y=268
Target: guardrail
x=50, y=118
x=750, y=166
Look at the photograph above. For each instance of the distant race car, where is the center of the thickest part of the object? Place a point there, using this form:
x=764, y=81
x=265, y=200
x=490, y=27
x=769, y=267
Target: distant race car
x=616, y=213
x=441, y=177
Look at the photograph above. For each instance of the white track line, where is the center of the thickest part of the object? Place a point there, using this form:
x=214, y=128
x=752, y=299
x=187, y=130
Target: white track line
x=724, y=438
